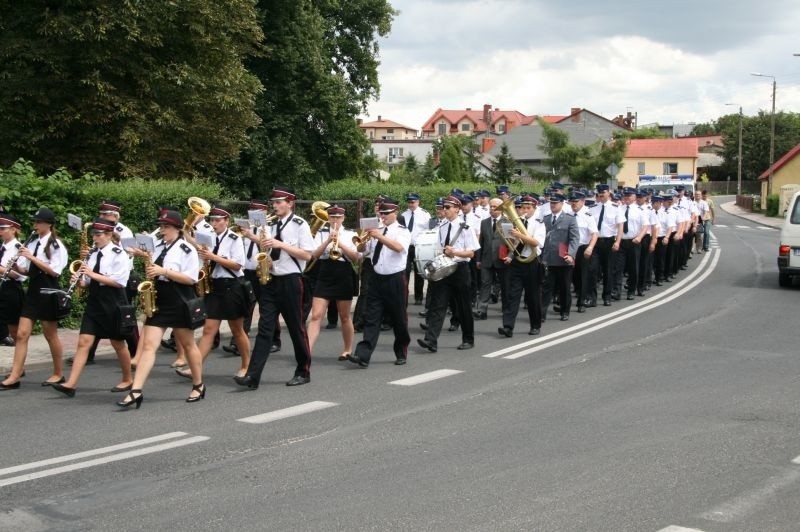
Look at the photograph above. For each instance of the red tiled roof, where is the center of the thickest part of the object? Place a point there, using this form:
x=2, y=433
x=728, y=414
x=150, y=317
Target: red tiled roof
x=385, y=123
x=708, y=140
x=659, y=148
x=455, y=116
x=554, y=119
x=777, y=165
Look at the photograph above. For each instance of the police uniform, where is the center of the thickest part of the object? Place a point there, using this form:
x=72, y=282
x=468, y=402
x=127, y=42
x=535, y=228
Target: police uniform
x=629, y=251
x=666, y=226
x=35, y=306
x=181, y=257
x=101, y=316
x=283, y=296
x=226, y=300
x=607, y=216
x=388, y=293
x=587, y=227
x=562, y=239
x=460, y=237
x=645, y=255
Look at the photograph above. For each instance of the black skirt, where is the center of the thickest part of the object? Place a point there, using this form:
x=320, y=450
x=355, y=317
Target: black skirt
x=101, y=317
x=226, y=300
x=170, y=302
x=335, y=281
x=38, y=307
x=11, y=298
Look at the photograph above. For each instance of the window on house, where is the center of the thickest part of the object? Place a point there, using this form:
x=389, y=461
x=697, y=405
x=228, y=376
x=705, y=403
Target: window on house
x=640, y=168
x=465, y=127
x=388, y=137
x=501, y=128
x=442, y=128
x=395, y=152
x=390, y=130
x=371, y=133
x=670, y=168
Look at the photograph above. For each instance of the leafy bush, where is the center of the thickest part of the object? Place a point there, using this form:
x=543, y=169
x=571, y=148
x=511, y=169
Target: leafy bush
x=773, y=203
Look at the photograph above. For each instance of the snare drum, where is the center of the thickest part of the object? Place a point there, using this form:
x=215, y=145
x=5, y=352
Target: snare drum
x=426, y=247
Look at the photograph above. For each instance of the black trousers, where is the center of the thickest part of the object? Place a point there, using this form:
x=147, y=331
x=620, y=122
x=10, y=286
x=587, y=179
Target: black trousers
x=672, y=256
x=490, y=278
x=252, y=276
x=659, y=258
x=519, y=277
x=605, y=258
x=581, y=276
x=627, y=261
x=388, y=296
x=557, y=280
x=645, y=264
x=419, y=282
x=455, y=287
x=281, y=296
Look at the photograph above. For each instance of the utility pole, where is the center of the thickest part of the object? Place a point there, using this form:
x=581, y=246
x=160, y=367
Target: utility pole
x=739, y=157
x=771, y=136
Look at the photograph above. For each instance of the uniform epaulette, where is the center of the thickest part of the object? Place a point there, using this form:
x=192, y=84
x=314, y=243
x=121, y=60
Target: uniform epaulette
x=423, y=210
x=588, y=213
x=233, y=236
x=401, y=225
x=116, y=250
x=186, y=249
x=298, y=221
x=17, y=245
x=55, y=244
x=118, y=229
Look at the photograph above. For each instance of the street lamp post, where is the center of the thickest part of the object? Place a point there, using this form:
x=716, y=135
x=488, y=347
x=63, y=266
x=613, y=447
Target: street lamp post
x=739, y=157
x=772, y=133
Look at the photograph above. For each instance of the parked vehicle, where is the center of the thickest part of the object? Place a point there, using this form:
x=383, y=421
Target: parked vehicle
x=789, y=247
x=660, y=183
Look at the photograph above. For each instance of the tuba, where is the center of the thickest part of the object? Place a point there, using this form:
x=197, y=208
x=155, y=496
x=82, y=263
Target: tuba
x=511, y=243
x=147, y=293
x=320, y=214
x=198, y=207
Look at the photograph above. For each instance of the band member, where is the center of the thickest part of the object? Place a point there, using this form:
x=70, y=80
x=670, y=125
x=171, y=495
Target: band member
x=174, y=271
x=483, y=210
x=337, y=280
x=587, y=228
x=388, y=293
x=227, y=298
x=11, y=293
x=290, y=244
x=489, y=263
x=649, y=240
x=416, y=220
x=367, y=272
x=666, y=226
x=558, y=254
x=250, y=238
x=104, y=274
x=523, y=274
x=43, y=266
x=459, y=243
x=609, y=224
x=634, y=227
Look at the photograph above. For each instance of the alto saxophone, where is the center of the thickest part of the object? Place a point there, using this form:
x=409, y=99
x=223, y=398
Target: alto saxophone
x=263, y=260
x=147, y=292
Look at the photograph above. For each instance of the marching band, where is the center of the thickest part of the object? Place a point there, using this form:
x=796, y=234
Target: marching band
x=524, y=249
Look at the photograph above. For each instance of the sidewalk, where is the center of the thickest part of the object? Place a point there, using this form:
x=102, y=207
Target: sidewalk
x=769, y=221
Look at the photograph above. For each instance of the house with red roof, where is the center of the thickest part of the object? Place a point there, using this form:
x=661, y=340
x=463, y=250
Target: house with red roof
x=785, y=171
x=381, y=129
x=471, y=122
x=658, y=157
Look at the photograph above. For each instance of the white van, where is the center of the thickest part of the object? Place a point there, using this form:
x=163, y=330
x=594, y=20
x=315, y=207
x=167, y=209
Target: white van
x=789, y=248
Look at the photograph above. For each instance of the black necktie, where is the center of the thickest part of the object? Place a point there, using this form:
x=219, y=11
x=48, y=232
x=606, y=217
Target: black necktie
x=36, y=249
x=2, y=252
x=411, y=222
x=160, y=260
x=447, y=238
x=275, y=254
x=625, y=225
x=525, y=223
x=378, y=248
x=494, y=224
x=600, y=220
x=96, y=268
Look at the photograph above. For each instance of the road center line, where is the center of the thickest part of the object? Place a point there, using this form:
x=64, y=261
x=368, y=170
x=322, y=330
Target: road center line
x=603, y=318
x=650, y=305
x=427, y=377
x=673, y=528
x=104, y=460
x=93, y=452
x=305, y=408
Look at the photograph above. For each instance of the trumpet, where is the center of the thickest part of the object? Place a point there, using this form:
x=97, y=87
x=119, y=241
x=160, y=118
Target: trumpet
x=147, y=292
x=335, y=253
x=361, y=238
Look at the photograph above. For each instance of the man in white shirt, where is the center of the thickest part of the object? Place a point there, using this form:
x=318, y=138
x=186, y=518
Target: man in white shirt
x=634, y=228
x=416, y=219
x=587, y=229
x=609, y=222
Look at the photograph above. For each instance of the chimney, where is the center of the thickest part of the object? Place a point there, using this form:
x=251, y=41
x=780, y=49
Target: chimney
x=469, y=108
x=487, y=111
x=574, y=114
x=359, y=121
x=379, y=118
x=487, y=143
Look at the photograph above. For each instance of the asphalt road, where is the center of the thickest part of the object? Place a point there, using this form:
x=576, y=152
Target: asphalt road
x=676, y=411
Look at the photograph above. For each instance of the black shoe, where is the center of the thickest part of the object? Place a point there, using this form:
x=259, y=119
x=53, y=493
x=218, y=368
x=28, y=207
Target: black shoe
x=556, y=308
x=12, y=386
x=425, y=344
x=423, y=326
x=615, y=297
x=630, y=297
x=565, y=317
x=131, y=400
x=8, y=342
x=465, y=345
x=606, y=302
x=452, y=328
x=118, y=389
x=386, y=327
x=493, y=299
x=69, y=392
x=418, y=301
x=197, y=388
x=423, y=313
x=246, y=381
x=298, y=380
x=591, y=304
x=231, y=348
x=275, y=348
x=640, y=293
x=355, y=360
x=400, y=361
x=331, y=326
x=505, y=331
x=479, y=315
x=62, y=380
x=533, y=332
x=657, y=283
x=169, y=344
x=581, y=310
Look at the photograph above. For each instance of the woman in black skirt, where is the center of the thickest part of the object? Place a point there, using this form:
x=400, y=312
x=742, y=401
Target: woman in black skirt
x=104, y=275
x=42, y=261
x=11, y=293
x=227, y=298
x=337, y=280
x=174, y=272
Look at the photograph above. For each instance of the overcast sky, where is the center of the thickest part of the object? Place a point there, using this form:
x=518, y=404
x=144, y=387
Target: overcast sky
x=670, y=62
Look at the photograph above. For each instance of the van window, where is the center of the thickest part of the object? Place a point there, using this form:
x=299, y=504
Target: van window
x=795, y=218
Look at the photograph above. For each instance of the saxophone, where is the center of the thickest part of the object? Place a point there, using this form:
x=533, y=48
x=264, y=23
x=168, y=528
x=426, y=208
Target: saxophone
x=147, y=292
x=263, y=260
x=203, y=287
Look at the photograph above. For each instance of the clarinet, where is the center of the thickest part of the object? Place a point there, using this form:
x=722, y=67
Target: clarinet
x=77, y=280
x=10, y=264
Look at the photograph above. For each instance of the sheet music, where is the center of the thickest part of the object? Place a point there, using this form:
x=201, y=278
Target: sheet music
x=75, y=222
x=369, y=223
x=204, y=239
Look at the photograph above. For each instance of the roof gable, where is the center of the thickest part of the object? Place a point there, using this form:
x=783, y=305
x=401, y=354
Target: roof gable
x=385, y=123
x=780, y=163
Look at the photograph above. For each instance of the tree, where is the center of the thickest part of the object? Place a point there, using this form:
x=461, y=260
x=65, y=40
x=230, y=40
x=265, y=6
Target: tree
x=580, y=164
x=319, y=71
x=452, y=164
x=503, y=166
x=126, y=88
x=428, y=169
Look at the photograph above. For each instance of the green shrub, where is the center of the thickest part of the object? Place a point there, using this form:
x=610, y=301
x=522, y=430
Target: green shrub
x=773, y=203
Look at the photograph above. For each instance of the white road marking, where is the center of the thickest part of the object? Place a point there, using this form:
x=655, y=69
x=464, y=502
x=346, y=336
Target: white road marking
x=763, y=228
x=645, y=306
x=720, y=225
x=740, y=507
x=796, y=460
x=673, y=528
x=104, y=460
x=93, y=452
x=292, y=411
x=427, y=377
x=743, y=227
x=600, y=319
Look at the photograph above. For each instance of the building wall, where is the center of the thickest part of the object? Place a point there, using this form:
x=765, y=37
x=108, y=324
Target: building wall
x=789, y=174
x=629, y=175
x=381, y=133
x=420, y=148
